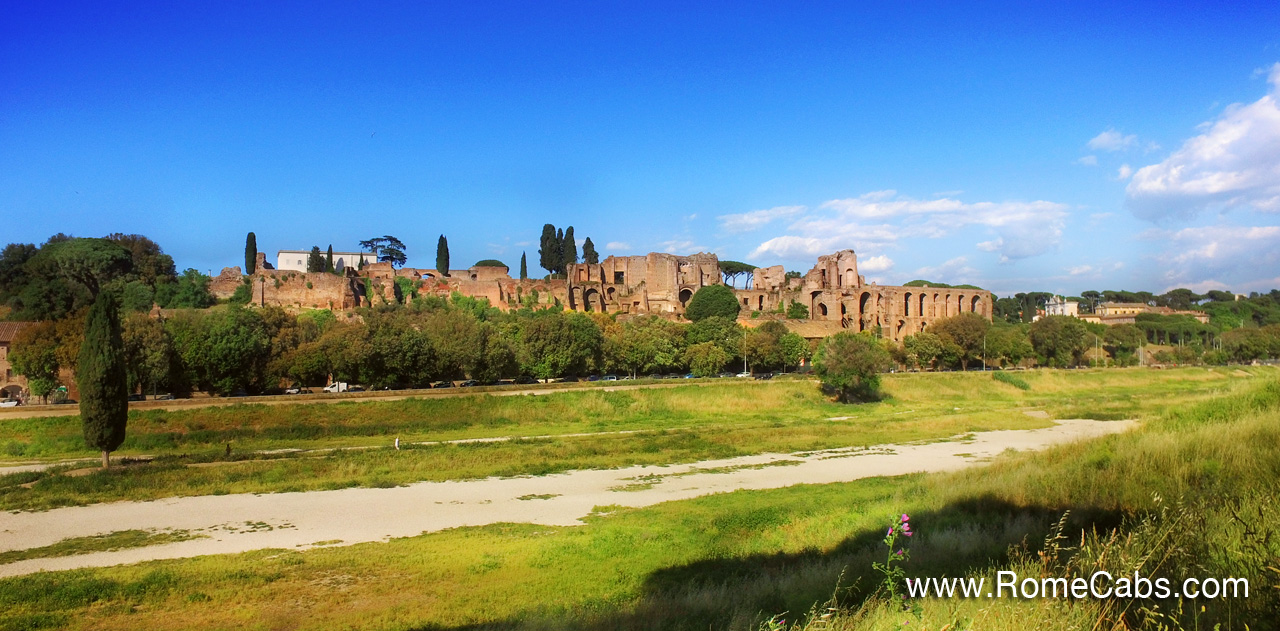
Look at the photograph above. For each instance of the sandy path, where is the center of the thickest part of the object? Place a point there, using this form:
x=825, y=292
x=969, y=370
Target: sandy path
x=238, y=523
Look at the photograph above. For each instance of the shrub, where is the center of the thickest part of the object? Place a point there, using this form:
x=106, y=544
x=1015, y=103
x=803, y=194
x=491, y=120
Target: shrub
x=1013, y=380
x=713, y=300
x=850, y=364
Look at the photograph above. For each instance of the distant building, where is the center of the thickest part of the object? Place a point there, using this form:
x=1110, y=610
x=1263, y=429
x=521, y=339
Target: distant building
x=296, y=260
x=1060, y=306
x=11, y=385
x=1123, y=308
x=1111, y=313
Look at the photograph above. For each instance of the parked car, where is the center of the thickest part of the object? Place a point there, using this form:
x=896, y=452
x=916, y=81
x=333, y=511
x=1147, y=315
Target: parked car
x=593, y=378
x=688, y=376
x=165, y=397
x=468, y=383
x=137, y=397
x=294, y=390
x=724, y=375
x=744, y=375
x=526, y=380
x=355, y=389
x=239, y=393
x=337, y=386
x=764, y=376
x=10, y=403
x=442, y=384
x=609, y=378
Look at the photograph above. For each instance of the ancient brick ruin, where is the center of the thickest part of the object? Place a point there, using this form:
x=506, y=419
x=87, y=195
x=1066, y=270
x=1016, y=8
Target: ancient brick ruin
x=834, y=293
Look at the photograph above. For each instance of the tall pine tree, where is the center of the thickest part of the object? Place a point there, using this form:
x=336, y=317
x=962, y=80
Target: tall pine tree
x=589, y=254
x=251, y=254
x=328, y=260
x=442, y=256
x=101, y=375
x=524, y=267
x=569, y=247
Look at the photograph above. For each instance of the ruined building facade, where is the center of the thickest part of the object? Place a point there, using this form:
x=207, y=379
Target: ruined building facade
x=833, y=291
x=656, y=283
x=836, y=295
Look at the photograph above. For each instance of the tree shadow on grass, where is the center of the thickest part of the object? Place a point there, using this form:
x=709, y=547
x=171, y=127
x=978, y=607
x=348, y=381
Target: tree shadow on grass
x=738, y=592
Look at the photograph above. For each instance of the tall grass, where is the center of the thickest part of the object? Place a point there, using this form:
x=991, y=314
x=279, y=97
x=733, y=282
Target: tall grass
x=735, y=560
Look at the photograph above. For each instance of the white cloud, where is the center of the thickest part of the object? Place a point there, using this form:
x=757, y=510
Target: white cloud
x=1235, y=162
x=617, y=246
x=874, y=264
x=1222, y=253
x=1080, y=270
x=793, y=247
x=954, y=271
x=879, y=218
x=748, y=221
x=681, y=247
x=1112, y=140
x=1124, y=172
x=1089, y=161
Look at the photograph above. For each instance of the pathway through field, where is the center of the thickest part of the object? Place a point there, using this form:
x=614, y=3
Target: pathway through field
x=238, y=523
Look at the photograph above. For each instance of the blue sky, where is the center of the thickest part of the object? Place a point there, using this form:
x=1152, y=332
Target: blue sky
x=1017, y=147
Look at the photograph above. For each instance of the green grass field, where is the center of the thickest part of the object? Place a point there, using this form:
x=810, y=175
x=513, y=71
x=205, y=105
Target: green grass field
x=1192, y=492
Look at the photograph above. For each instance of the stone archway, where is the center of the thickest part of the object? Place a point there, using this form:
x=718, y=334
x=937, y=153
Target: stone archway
x=906, y=305
x=589, y=295
x=976, y=304
x=685, y=296
x=10, y=392
x=822, y=309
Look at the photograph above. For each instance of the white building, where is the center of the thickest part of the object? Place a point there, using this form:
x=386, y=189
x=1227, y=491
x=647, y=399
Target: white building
x=1057, y=305
x=296, y=260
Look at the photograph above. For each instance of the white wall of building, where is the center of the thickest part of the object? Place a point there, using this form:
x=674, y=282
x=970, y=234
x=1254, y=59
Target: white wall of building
x=296, y=260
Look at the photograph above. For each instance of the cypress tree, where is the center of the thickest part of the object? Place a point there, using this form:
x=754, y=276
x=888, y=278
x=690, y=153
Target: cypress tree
x=442, y=256
x=559, y=247
x=328, y=260
x=315, y=260
x=589, y=254
x=524, y=267
x=250, y=254
x=549, y=249
x=569, y=247
x=104, y=395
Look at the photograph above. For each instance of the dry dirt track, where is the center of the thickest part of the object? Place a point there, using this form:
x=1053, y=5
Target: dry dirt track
x=238, y=523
